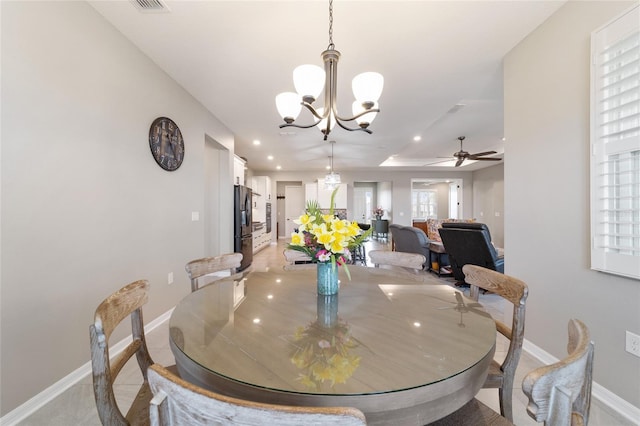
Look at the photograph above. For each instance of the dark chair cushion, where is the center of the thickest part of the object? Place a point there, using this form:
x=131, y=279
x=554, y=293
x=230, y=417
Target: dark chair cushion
x=469, y=243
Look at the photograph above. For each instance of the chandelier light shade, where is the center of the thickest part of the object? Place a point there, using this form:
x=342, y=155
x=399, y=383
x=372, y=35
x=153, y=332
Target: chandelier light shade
x=289, y=106
x=309, y=80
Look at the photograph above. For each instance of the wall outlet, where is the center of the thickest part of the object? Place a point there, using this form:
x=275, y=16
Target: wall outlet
x=632, y=344
x=170, y=278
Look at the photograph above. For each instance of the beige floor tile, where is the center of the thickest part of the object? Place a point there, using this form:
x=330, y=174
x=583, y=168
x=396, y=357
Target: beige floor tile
x=76, y=406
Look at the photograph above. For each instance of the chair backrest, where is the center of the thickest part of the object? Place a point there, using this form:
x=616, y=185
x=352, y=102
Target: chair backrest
x=511, y=289
x=413, y=261
x=411, y=240
x=199, y=268
x=177, y=402
x=114, y=309
x=299, y=266
x=469, y=243
x=560, y=394
x=294, y=256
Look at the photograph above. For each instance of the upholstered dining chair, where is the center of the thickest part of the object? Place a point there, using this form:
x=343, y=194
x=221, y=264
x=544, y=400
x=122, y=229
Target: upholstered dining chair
x=177, y=402
x=199, y=268
x=410, y=261
x=293, y=257
x=515, y=291
x=112, y=311
x=559, y=394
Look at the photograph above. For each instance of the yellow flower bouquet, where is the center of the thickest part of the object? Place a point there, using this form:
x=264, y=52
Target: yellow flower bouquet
x=326, y=238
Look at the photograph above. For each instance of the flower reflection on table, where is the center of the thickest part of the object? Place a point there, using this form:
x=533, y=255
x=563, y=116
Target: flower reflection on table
x=323, y=348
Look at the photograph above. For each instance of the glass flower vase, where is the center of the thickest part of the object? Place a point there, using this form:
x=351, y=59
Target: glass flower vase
x=327, y=278
x=327, y=310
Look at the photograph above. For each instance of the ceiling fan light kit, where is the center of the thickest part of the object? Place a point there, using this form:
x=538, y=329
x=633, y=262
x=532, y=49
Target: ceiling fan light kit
x=309, y=81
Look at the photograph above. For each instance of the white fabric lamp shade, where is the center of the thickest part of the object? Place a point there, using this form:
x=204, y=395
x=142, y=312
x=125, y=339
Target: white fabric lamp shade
x=308, y=80
x=367, y=87
x=357, y=108
x=288, y=104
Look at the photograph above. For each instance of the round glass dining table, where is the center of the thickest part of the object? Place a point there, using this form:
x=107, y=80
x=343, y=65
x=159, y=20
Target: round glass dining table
x=402, y=352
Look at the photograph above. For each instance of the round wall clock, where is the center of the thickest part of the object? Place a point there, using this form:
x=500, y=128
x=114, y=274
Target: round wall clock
x=166, y=143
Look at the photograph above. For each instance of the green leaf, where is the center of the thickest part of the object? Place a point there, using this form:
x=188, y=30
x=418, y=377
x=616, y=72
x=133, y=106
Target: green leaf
x=333, y=196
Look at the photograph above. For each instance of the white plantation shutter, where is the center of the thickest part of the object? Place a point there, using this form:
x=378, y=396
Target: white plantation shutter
x=615, y=142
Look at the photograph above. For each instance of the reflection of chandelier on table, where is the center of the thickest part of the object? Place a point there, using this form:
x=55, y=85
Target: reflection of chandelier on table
x=309, y=81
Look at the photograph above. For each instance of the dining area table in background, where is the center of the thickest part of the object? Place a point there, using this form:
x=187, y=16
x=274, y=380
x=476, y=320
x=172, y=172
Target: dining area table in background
x=402, y=352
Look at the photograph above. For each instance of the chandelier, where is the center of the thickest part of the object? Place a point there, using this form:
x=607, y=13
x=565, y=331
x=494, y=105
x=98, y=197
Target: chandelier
x=309, y=81
x=332, y=179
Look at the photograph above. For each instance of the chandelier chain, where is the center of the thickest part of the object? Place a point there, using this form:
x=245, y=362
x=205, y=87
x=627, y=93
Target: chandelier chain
x=331, y=45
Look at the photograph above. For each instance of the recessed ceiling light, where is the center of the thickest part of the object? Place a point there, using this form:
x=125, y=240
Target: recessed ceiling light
x=256, y=142
x=504, y=139
x=328, y=167
x=278, y=167
x=269, y=157
x=417, y=138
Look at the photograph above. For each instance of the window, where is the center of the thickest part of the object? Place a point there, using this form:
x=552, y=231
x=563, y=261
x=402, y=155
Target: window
x=615, y=143
x=424, y=204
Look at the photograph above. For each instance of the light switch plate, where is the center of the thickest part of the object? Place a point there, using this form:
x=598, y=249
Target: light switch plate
x=632, y=344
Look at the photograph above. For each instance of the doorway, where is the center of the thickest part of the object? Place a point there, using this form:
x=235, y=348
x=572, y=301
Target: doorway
x=436, y=199
x=293, y=207
x=216, y=215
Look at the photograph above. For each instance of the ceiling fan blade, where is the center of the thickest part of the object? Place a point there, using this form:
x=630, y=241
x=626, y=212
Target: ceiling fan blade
x=459, y=162
x=440, y=161
x=486, y=159
x=480, y=154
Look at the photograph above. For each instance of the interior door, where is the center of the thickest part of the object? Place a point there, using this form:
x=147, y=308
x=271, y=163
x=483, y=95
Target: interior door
x=293, y=207
x=362, y=204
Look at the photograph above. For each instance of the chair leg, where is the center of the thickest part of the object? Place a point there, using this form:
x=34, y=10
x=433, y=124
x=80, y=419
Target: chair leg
x=505, y=394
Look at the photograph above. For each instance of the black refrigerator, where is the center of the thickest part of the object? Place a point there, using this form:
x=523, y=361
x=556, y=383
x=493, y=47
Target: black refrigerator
x=242, y=234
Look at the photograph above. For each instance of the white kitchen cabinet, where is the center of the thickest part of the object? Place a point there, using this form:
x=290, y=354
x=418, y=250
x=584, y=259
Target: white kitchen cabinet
x=261, y=196
x=238, y=170
x=261, y=239
x=310, y=192
x=316, y=191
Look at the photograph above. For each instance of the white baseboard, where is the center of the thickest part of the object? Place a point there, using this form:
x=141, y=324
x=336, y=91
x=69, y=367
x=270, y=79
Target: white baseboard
x=34, y=404
x=602, y=394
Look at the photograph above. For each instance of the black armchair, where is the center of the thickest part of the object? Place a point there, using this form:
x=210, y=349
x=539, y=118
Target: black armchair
x=469, y=243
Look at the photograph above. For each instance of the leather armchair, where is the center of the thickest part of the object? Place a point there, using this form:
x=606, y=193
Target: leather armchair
x=469, y=243
x=409, y=240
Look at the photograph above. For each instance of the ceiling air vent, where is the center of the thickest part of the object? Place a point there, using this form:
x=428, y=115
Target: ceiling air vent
x=154, y=6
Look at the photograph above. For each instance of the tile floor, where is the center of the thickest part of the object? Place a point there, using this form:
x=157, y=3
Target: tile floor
x=76, y=406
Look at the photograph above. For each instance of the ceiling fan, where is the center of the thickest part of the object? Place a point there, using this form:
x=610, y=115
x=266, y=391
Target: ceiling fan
x=479, y=156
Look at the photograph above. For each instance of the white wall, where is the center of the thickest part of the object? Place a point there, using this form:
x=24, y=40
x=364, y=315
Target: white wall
x=85, y=208
x=488, y=200
x=547, y=196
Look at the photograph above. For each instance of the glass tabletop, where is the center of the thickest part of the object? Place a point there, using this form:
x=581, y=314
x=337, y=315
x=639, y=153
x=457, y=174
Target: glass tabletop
x=381, y=333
